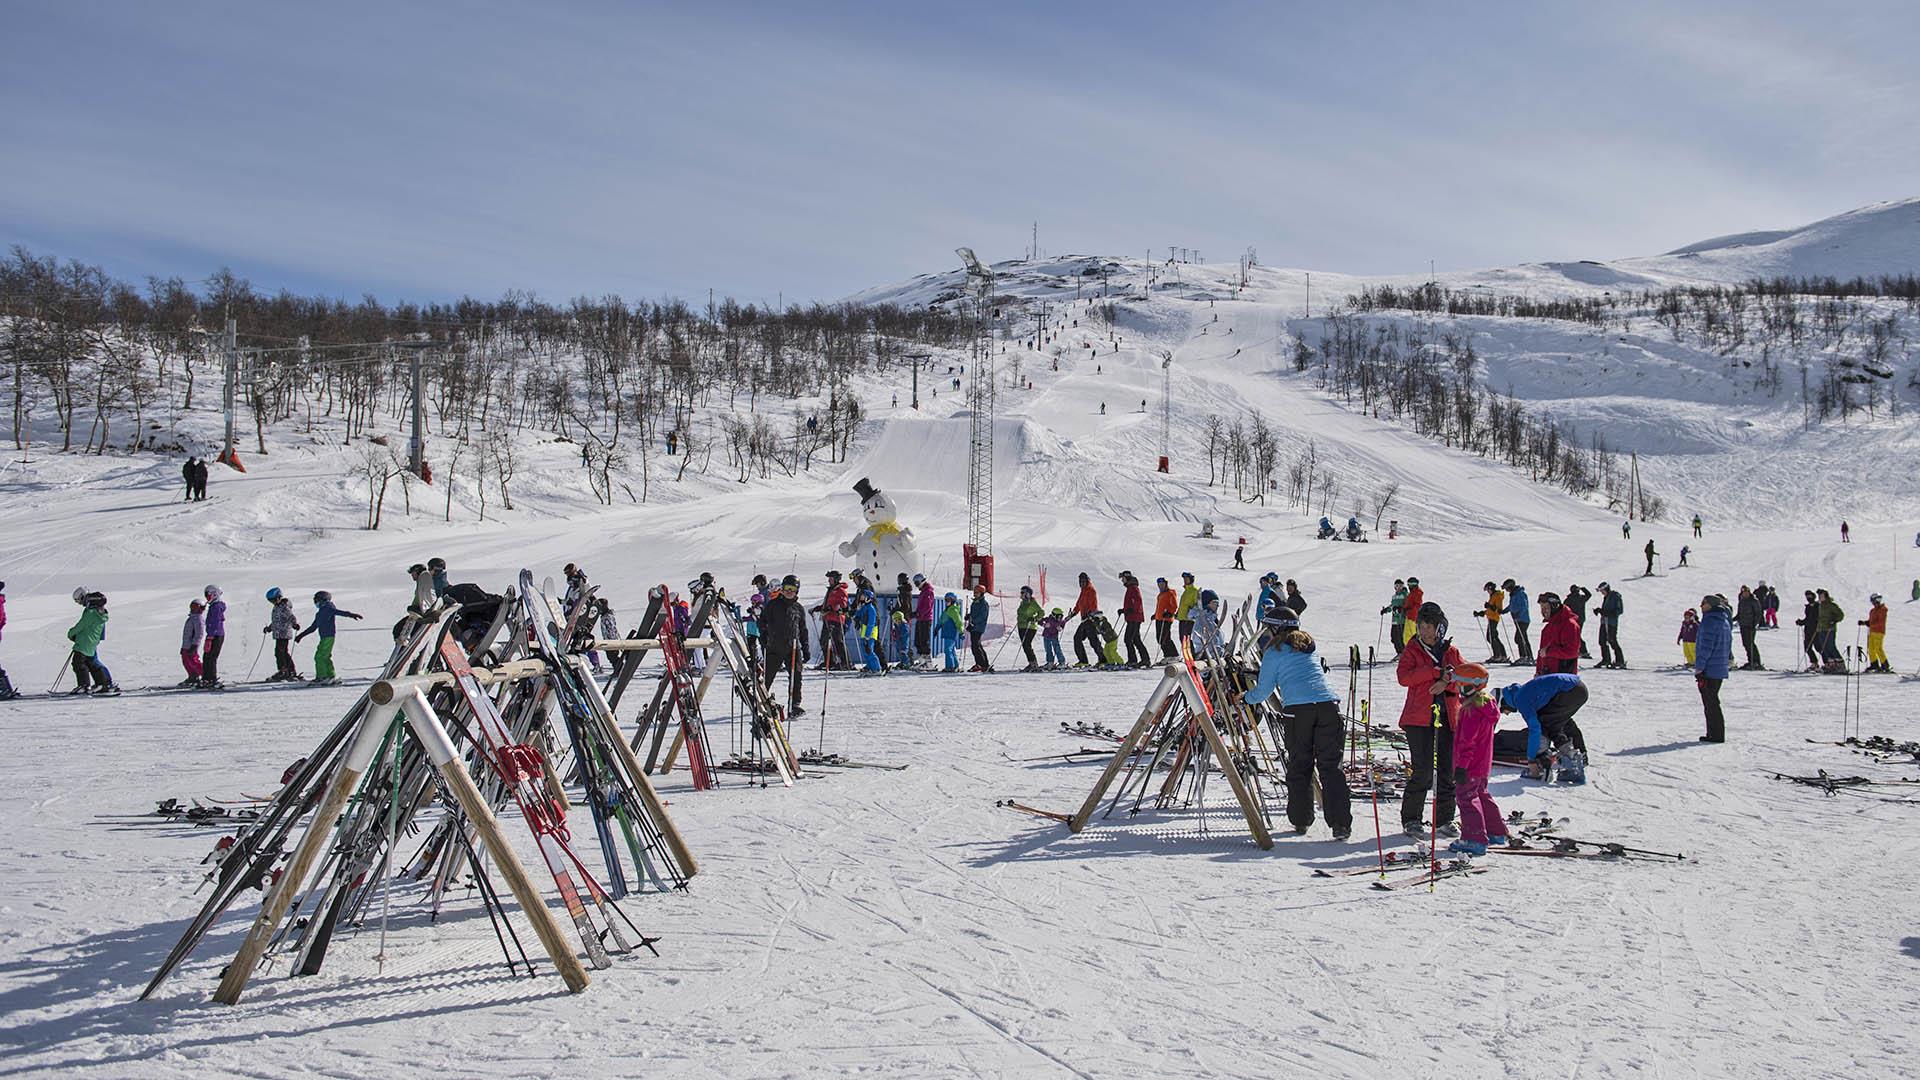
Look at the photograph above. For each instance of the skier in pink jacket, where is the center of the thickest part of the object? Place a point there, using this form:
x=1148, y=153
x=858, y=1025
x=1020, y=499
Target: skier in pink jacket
x=1480, y=820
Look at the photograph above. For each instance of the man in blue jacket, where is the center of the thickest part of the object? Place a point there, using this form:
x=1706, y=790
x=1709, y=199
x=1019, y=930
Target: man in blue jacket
x=1548, y=703
x=1522, y=619
x=1712, y=655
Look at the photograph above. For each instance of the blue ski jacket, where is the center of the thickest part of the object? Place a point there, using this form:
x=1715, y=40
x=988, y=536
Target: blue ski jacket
x=1713, y=646
x=1295, y=674
x=326, y=619
x=1517, y=606
x=1529, y=697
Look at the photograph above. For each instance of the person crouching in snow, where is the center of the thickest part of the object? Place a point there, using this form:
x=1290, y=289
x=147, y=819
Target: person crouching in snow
x=1310, y=713
x=325, y=622
x=1480, y=820
x=193, y=634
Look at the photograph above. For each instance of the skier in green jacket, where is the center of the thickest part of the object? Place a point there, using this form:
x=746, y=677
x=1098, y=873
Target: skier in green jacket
x=1026, y=621
x=90, y=676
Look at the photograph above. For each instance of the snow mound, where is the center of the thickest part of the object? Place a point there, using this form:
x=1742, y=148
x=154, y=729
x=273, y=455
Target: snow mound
x=1881, y=239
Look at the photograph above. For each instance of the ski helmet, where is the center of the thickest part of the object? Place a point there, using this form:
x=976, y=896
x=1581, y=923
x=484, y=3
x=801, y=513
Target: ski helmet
x=1413, y=583
x=1208, y=597
x=919, y=579
x=1604, y=587
x=1280, y=617
x=1188, y=574
x=952, y=599
x=833, y=575
x=1471, y=675
x=696, y=587
x=1026, y=590
x=1549, y=599
x=1431, y=612
x=212, y=592
x=323, y=597
x=1874, y=599
x=96, y=599
x=1489, y=586
x=791, y=579
x=1508, y=585
x=196, y=605
x=273, y=595
x=1058, y=612
x=80, y=596
x=1691, y=613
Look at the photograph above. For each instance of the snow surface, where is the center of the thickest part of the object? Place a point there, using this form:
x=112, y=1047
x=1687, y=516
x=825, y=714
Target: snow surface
x=897, y=922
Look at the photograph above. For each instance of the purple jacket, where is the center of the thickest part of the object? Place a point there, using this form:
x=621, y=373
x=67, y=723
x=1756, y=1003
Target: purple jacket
x=923, y=607
x=217, y=619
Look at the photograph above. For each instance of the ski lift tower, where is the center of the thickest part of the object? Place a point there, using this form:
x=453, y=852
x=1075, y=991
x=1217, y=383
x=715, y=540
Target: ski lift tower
x=1166, y=410
x=977, y=553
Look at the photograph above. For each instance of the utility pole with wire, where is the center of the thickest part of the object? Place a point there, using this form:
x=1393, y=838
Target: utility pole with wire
x=977, y=553
x=231, y=378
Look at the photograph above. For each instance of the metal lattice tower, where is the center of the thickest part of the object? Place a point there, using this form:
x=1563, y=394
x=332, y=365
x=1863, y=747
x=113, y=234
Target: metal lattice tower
x=980, y=390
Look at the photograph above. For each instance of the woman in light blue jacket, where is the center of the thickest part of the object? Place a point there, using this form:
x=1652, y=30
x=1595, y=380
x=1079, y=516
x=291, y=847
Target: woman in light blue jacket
x=1310, y=715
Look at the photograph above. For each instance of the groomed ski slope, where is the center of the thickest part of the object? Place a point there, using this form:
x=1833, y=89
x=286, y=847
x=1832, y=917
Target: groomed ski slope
x=897, y=922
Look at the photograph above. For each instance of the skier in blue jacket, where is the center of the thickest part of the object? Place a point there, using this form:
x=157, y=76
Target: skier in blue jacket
x=1310, y=718
x=325, y=624
x=1522, y=619
x=977, y=614
x=1712, y=655
x=1548, y=703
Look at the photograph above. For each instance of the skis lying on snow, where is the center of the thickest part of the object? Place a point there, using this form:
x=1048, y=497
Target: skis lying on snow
x=1090, y=731
x=835, y=761
x=1456, y=868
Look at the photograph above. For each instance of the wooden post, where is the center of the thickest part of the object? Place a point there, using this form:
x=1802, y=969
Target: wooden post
x=358, y=757
x=1127, y=746
x=434, y=740
x=1256, y=821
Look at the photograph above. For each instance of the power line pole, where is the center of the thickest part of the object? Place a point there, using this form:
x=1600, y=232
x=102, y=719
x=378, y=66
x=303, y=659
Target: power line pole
x=417, y=452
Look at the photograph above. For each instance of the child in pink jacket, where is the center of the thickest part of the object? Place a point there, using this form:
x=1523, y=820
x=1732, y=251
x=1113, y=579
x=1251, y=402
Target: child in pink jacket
x=1480, y=820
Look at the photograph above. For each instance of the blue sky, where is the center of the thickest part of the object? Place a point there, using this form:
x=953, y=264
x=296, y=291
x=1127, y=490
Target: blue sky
x=812, y=150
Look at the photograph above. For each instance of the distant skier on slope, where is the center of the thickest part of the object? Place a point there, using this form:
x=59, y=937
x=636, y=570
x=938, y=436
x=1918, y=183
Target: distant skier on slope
x=7, y=689
x=1650, y=555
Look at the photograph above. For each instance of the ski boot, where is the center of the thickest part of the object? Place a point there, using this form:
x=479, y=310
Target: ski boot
x=1572, y=767
x=1467, y=847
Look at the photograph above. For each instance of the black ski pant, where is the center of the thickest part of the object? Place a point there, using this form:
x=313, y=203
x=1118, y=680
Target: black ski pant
x=1137, y=655
x=1610, y=643
x=923, y=638
x=283, y=655
x=1747, y=632
x=1580, y=635
x=833, y=646
x=1556, y=718
x=1026, y=646
x=1088, y=634
x=1520, y=642
x=210, y=659
x=1163, y=633
x=979, y=651
x=1808, y=640
x=1710, y=701
x=1493, y=641
x=1427, y=746
x=1314, y=733
x=787, y=660
x=1186, y=629
x=1823, y=640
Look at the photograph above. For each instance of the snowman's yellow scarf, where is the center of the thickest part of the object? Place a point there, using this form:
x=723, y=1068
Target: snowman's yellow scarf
x=883, y=528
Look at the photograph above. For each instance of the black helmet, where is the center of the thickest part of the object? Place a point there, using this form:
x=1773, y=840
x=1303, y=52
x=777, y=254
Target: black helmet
x=696, y=587
x=1508, y=585
x=322, y=597
x=790, y=579
x=1280, y=617
x=436, y=564
x=1550, y=599
x=417, y=568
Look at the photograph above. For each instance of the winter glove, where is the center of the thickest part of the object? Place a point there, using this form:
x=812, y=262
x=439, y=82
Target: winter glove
x=1459, y=775
x=1700, y=681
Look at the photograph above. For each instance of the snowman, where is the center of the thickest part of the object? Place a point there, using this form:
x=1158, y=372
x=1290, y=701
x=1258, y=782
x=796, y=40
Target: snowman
x=885, y=549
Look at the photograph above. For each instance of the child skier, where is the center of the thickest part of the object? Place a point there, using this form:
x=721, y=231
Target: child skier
x=6, y=685
x=1050, y=628
x=90, y=676
x=1206, y=624
x=949, y=631
x=1689, y=633
x=902, y=637
x=325, y=617
x=867, y=621
x=1480, y=820
x=193, y=635
x=216, y=637
x=282, y=624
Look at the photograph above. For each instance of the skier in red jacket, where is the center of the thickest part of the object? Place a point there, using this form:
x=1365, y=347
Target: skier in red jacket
x=1086, y=607
x=1433, y=703
x=1559, y=640
x=1133, y=612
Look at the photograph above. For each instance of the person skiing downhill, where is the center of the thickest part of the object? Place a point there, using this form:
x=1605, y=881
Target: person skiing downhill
x=90, y=675
x=1846, y=535
x=1240, y=555
x=1166, y=603
x=1026, y=622
x=1516, y=606
x=325, y=622
x=193, y=634
x=282, y=624
x=1876, y=624
x=1481, y=824
x=1310, y=717
x=1626, y=529
x=216, y=637
x=1433, y=704
x=1713, y=650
